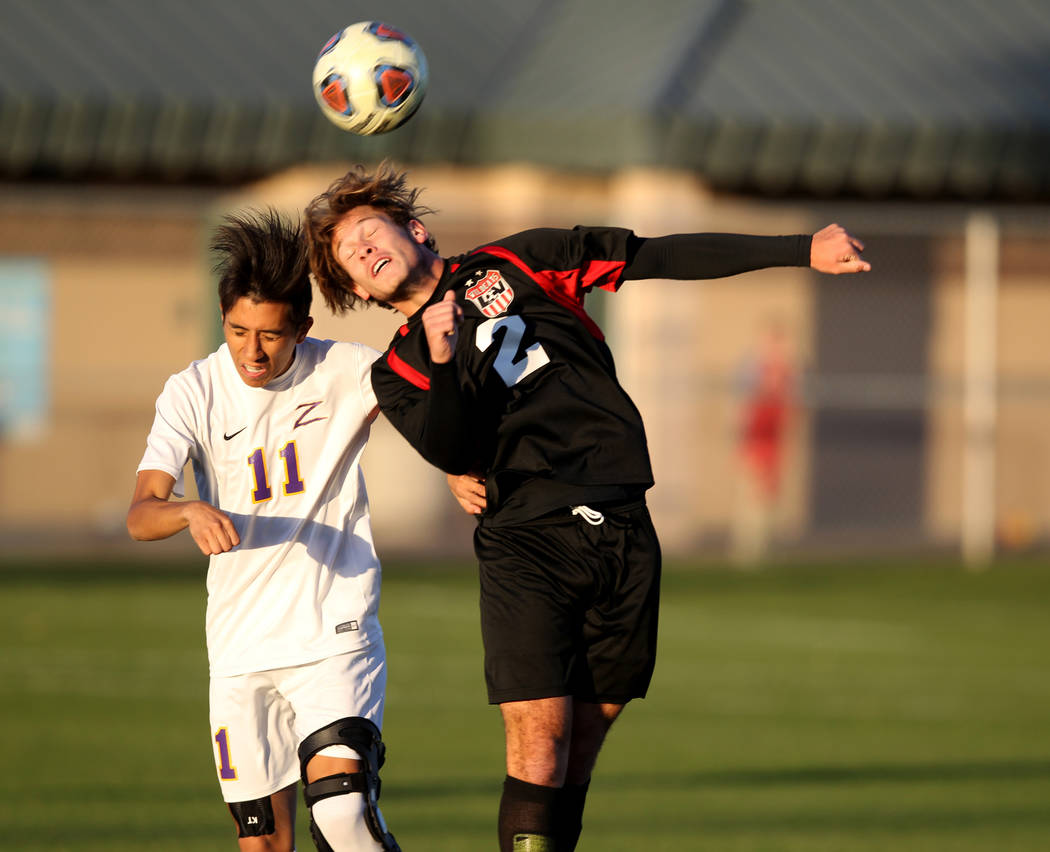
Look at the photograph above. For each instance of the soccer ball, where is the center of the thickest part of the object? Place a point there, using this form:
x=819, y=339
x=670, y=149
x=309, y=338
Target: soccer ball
x=370, y=78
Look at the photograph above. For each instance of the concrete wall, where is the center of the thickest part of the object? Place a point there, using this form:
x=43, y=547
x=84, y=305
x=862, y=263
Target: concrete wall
x=133, y=302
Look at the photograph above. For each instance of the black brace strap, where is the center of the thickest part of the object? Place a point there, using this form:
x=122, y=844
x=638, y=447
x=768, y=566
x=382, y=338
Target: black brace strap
x=335, y=785
x=357, y=732
x=254, y=818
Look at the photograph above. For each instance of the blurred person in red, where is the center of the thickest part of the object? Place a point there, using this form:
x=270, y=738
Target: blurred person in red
x=767, y=382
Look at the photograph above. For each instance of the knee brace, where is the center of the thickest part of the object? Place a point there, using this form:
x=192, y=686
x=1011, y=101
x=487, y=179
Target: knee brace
x=361, y=735
x=254, y=818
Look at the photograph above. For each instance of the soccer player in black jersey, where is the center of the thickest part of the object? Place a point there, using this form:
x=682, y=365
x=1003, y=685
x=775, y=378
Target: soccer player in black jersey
x=499, y=371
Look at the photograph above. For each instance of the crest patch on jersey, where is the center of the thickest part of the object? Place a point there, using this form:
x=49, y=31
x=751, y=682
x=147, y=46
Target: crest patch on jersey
x=490, y=292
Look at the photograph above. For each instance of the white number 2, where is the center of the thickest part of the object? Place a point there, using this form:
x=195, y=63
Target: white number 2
x=511, y=368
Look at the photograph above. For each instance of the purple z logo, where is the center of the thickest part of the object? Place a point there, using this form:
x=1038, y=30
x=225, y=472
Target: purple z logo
x=309, y=406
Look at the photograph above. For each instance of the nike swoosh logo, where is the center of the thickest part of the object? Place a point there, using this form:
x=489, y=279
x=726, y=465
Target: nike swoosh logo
x=235, y=434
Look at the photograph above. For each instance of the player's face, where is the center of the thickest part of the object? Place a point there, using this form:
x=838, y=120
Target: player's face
x=383, y=259
x=262, y=339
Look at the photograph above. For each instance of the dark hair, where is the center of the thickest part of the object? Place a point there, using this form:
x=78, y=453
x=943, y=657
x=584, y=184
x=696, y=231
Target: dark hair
x=386, y=191
x=262, y=256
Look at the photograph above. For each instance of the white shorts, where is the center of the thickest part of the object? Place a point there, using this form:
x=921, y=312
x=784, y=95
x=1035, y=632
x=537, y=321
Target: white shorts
x=259, y=719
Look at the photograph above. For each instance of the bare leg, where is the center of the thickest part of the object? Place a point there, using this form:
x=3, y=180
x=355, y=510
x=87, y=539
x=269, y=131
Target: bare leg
x=538, y=736
x=591, y=722
x=552, y=747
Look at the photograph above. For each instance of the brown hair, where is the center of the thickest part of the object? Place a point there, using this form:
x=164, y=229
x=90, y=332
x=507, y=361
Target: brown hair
x=385, y=190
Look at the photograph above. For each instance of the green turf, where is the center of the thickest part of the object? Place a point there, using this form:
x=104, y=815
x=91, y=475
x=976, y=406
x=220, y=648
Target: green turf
x=837, y=707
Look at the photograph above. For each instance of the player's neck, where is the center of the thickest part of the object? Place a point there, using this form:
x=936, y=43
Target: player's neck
x=419, y=291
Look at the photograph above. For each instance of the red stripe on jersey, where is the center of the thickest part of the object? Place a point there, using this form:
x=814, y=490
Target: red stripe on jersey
x=407, y=371
x=562, y=286
x=610, y=270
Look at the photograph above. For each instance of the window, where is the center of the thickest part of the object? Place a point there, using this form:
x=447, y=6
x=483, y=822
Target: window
x=24, y=347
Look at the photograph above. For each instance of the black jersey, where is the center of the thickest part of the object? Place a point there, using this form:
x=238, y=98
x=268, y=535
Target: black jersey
x=531, y=399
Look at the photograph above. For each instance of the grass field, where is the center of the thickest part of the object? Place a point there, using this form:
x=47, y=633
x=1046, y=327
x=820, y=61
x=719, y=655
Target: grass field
x=831, y=707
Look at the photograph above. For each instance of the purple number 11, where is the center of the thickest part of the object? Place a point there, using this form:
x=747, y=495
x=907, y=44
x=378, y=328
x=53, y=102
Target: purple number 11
x=293, y=484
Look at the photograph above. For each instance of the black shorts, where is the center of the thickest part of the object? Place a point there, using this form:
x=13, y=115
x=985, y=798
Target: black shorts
x=568, y=608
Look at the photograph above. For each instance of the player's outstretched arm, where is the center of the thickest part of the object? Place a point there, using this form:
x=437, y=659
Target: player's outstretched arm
x=691, y=257
x=834, y=251
x=153, y=516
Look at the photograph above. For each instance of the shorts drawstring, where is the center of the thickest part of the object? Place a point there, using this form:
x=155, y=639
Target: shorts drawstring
x=591, y=516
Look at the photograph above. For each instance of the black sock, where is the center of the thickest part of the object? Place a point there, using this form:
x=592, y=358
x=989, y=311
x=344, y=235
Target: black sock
x=569, y=815
x=529, y=810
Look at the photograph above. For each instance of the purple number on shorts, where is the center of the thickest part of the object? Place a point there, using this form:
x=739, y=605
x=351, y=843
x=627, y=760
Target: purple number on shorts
x=226, y=771
x=292, y=483
x=262, y=485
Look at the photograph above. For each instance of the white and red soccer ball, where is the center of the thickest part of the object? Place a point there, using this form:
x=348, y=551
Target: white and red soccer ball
x=370, y=78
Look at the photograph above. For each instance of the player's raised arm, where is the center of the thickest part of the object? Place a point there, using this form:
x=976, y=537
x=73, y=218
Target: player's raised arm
x=153, y=516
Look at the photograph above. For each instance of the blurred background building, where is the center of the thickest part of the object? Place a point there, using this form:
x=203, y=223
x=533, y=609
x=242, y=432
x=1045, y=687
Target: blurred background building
x=918, y=412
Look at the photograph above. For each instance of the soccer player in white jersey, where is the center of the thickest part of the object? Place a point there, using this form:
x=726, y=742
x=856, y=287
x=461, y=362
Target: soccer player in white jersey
x=274, y=423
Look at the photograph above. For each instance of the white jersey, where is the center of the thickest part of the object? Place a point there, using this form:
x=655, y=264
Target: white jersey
x=283, y=461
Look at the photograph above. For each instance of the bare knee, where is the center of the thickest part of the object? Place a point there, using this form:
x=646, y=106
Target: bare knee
x=538, y=735
x=269, y=843
x=591, y=724
x=594, y=720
